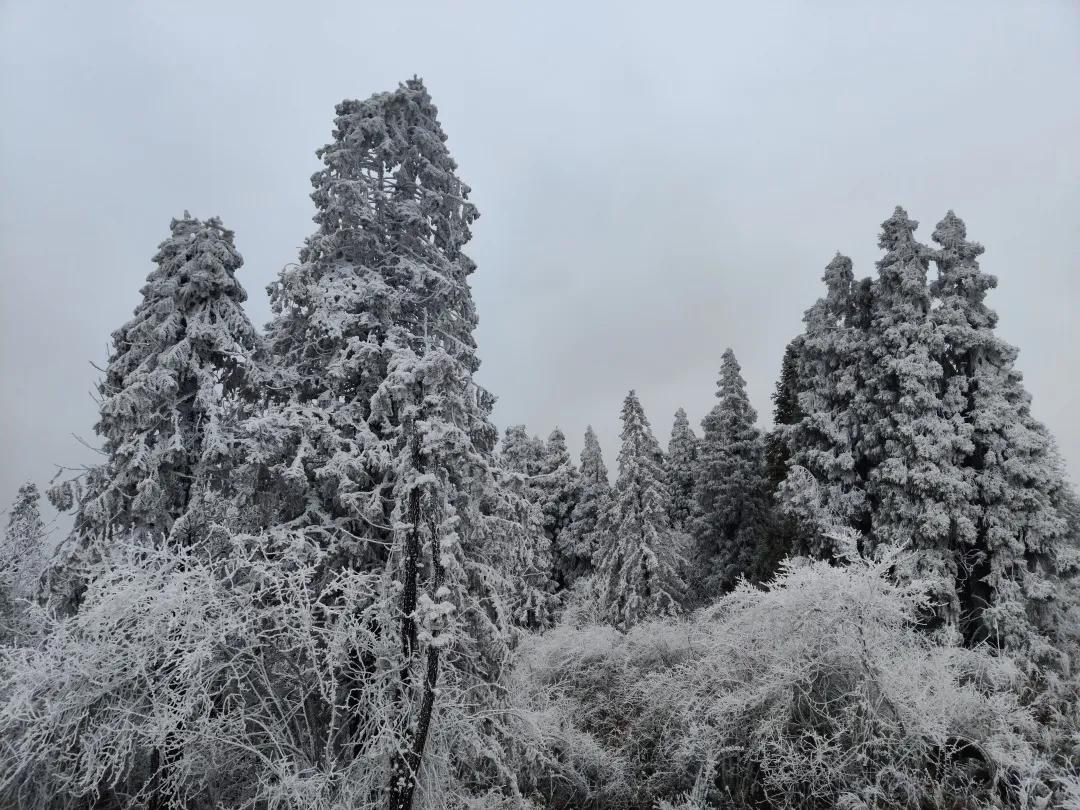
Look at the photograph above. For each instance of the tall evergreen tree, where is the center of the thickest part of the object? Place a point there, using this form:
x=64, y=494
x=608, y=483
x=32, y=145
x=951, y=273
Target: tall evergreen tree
x=180, y=372
x=559, y=489
x=521, y=453
x=581, y=535
x=731, y=489
x=189, y=346
x=918, y=490
x=1005, y=566
x=639, y=555
x=786, y=411
x=823, y=434
x=784, y=537
x=679, y=464
x=381, y=450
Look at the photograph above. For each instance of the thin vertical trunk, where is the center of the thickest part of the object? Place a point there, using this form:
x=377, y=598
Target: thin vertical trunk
x=405, y=768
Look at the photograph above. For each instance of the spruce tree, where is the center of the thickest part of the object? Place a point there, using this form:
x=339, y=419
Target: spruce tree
x=181, y=373
x=559, y=489
x=784, y=537
x=380, y=449
x=679, y=464
x=918, y=491
x=581, y=535
x=639, y=556
x=820, y=427
x=1006, y=565
x=732, y=527
x=521, y=453
x=189, y=349
x=786, y=412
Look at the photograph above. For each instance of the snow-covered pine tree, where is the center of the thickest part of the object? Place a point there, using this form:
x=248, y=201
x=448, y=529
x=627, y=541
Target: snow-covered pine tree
x=640, y=556
x=22, y=560
x=521, y=453
x=381, y=451
x=559, y=489
x=180, y=373
x=679, y=464
x=732, y=527
x=581, y=534
x=1006, y=565
x=188, y=346
x=786, y=411
x=918, y=489
x=820, y=429
x=784, y=536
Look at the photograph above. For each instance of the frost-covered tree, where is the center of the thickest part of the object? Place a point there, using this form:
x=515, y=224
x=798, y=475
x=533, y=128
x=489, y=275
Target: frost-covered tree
x=1005, y=565
x=822, y=432
x=917, y=488
x=559, y=489
x=188, y=346
x=521, y=453
x=784, y=537
x=22, y=560
x=819, y=691
x=786, y=411
x=639, y=556
x=679, y=464
x=581, y=535
x=380, y=449
x=179, y=375
x=732, y=494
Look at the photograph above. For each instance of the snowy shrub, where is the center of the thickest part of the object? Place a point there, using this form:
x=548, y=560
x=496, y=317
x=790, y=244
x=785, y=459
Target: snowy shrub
x=817, y=691
x=223, y=686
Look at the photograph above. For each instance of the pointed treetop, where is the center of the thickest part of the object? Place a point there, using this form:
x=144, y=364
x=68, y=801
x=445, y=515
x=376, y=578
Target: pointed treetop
x=838, y=271
x=556, y=442
x=593, y=469
x=731, y=387
x=897, y=230
x=197, y=263
x=951, y=234
x=839, y=276
x=682, y=435
x=638, y=439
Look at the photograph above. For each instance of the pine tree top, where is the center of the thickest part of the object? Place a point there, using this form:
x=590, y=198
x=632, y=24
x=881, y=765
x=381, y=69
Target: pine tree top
x=639, y=445
x=682, y=442
x=593, y=469
x=959, y=276
x=731, y=391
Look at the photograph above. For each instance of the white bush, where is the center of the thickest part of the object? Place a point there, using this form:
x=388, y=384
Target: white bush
x=818, y=691
x=256, y=682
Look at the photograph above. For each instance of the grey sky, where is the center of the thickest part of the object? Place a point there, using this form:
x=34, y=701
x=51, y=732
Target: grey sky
x=656, y=181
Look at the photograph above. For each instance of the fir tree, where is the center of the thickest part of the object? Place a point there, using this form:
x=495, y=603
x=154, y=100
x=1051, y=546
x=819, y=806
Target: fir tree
x=521, y=453
x=381, y=449
x=917, y=487
x=786, y=411
x=188, y=349
x=180, y=374
x=732, y=492
x=559, y=490
x=640, y=555
x=679, y=464
x=1006, y=565
x=581, y=535
x=821, y=427
x=784, y=536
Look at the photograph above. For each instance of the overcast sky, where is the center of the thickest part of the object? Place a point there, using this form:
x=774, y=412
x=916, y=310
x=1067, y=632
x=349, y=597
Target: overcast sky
x=656, y=181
